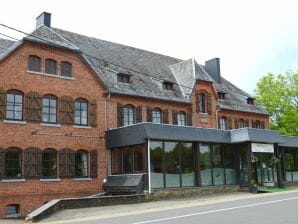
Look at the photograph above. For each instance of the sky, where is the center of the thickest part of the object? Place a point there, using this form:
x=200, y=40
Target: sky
x=251, y=38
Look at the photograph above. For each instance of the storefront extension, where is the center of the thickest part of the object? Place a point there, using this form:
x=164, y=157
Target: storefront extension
x=175, y=157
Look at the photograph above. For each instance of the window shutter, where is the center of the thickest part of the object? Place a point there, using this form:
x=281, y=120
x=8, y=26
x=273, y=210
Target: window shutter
x=93, y=163
x=33, y=107
x=66, y=163
x=32, y=163
x=2, y=155
x=2, y=104
x=263, y=125
x=209, y=103
x=174, y=114
x=246, y=123
x=119, y=115
x=165, y=116
x=66, y=110
x=198, y=102
x=149, y=114
x=236, y=123
x=139, y=114
x=92, y=113
x=229, y=120
x=189, y=119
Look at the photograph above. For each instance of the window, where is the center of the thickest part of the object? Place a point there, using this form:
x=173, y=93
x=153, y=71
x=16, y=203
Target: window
x=12, y=161
x=241, y=123
x=50, y=66
x=156, y=116
x=202, y=103
x=12, y=211
x=65, y=69
x=49, y=163
x=222, y=123
x=257, y=124
x=167, y=85
x=123, y=78
x=221, y=95
x=128, y=115
x=250, y=101
x=14, y=105
x=81, y=112
x=81, y=163
x=181, y=119
x=49, y=109
x=34, y=63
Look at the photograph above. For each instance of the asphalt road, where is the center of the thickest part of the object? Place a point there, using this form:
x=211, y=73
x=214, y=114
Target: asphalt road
x=273, y=209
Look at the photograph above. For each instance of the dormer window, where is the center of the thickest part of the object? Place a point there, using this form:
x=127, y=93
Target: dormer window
x=121, y=77
x=221, y=95
x=167, y=85
x=250, y=101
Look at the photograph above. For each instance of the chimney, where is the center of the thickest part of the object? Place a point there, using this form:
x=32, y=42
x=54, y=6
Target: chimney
x=44, y=19
x=212, y=67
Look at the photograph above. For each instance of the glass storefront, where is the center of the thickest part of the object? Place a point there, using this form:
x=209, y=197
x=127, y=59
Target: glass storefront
x=291, y=165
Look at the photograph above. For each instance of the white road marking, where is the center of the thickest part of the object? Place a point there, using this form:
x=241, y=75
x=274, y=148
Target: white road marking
x=214, y=211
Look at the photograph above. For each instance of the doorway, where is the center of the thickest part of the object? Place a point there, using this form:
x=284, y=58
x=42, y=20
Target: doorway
x=265, y=169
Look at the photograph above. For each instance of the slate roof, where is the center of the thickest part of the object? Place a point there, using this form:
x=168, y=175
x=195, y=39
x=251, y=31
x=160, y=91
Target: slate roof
x=148, y=70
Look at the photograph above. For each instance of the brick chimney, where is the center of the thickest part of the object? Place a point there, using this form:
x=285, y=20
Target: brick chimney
x=44, y=19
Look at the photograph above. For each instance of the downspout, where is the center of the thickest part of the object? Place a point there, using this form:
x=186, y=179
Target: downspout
x=105, y=128
x=216, y=116
x=149, y=167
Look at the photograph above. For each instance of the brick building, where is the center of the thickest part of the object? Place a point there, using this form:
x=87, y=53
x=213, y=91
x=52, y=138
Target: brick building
x=74, y=109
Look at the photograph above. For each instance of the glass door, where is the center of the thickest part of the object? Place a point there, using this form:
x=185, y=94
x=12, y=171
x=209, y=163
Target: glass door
x=266, y=169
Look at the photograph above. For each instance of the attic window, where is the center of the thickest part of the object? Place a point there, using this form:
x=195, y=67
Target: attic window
x=221, y=95
x=121, y=77
x=167, y=85
x=250, y=101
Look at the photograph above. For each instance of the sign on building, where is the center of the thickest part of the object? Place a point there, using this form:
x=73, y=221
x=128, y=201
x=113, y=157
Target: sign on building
x=259, y=147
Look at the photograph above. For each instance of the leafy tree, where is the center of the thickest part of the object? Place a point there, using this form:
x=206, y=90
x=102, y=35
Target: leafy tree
x=279, y=95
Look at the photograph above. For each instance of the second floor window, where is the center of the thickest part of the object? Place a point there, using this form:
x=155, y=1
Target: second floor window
x=81, y=112
x=241, y=123
x=13, y=166
x=128, y=115
x=34, y=63
x=181, y=119
x=14, y=105
x=156, y=116
x=202, y=103
x=222, y=123
x=65, y=69
x=49, y=109
x=50, y=66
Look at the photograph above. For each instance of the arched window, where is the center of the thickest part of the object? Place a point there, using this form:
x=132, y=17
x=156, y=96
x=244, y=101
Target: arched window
x=34, y=63
x=181, y=119
x=156, y=116
x=14, y=105
x=128, y=115
x=222, y=123
x=50, y=66
x=202, y=102
x=49, y=109
x=49, y=163
x=81, y=112
x=257, y=124
x=13, y=163
x=241, y=123
x=65, y=69
x=81, y=163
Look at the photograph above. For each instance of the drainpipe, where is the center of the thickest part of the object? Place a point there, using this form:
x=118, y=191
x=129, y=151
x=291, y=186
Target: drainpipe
x=106, y=114
x=149, y=167
x=216, y=116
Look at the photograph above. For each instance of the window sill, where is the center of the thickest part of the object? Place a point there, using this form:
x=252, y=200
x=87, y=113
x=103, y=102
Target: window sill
x=82, y=179
x=201, y=113
x=50, y=180
x=50, y=75
x=13, y=216
x=51, y=125
x=15, y=122
x=13, y=180
x=78, y=126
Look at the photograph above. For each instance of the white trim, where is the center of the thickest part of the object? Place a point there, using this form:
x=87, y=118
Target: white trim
x=13, y=180
x=149, y=168
x=15, y=122
x=51, y=125
x=50, y=75
x=84, y=127
x=82, y=179
x=50, y=180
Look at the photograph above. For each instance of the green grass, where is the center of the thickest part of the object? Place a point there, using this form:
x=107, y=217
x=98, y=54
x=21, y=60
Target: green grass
x=272, y=190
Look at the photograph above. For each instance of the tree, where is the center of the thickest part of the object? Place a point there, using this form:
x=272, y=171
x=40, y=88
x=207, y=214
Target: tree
x=279, y=95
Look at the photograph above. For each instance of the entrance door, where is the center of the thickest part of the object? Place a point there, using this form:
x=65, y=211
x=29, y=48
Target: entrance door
x=265, y=167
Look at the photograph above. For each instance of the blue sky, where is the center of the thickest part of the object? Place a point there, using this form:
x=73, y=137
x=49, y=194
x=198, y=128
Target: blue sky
x=252, y=38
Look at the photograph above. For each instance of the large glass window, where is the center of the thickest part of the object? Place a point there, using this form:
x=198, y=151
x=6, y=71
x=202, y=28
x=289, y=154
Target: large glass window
x=81, y=163
x=49, y=109
x=138, y=157
x=14, y=105
x=50, y=66
x=205, y=164
x=181, y=119
x=156, y=116
x=116, y=161
x=34, y=63
x=127, y=160
x=128, y=115
x=13, y=163
x=81, y=112
x=156, y=164
x=291, y=165
x=49, y=163
x=217, y=161
x=172, y=164
x=229, y=164
x=187, y=164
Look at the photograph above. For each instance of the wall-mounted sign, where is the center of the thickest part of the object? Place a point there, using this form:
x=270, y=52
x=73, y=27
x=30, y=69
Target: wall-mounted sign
x=258, y=147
